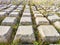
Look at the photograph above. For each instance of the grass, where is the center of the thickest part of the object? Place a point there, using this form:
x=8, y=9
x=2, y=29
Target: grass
x=38, y=41
x=1, y=19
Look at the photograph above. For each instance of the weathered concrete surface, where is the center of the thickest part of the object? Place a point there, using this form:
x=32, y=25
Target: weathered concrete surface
x=9, y=21
x=53, y=18
x=3, y=14
x=25, y=34
x=5, y=33
x=48, y=33
x=57, y=24
x=26, y=21
x=41, y=21
x=14, y=14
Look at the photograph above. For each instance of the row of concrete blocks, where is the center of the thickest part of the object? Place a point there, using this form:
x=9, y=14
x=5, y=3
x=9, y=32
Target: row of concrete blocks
x=10, y=9
x=12, y=14
x=39, y=18
x=26, y=17
x=15, y=12
x=49, y=8
x=25, y=20
x=23, y=33
x=26, y=33
x=27, y=9
x=52, y=17
x=44, y=20
x=2, y=7
x=52, y=8
x=13, y=20
x=5, y=1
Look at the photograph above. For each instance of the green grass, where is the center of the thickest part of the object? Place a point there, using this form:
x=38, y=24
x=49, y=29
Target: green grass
x=38, y=41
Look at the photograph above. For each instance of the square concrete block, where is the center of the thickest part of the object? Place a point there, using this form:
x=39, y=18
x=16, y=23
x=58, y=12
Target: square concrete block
x=27, y=11
x=5, y=33
x=8, y=10
x=26, y=21
x=9, y=21
x=25, y=34
x=3, y=14
x=48, y=33
x=19, y=8
x=27, y=7
x=41, y=21
x=57, y=24
x=14, y=14
x=26, y=15
x=53, y=18
x=38, y=15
